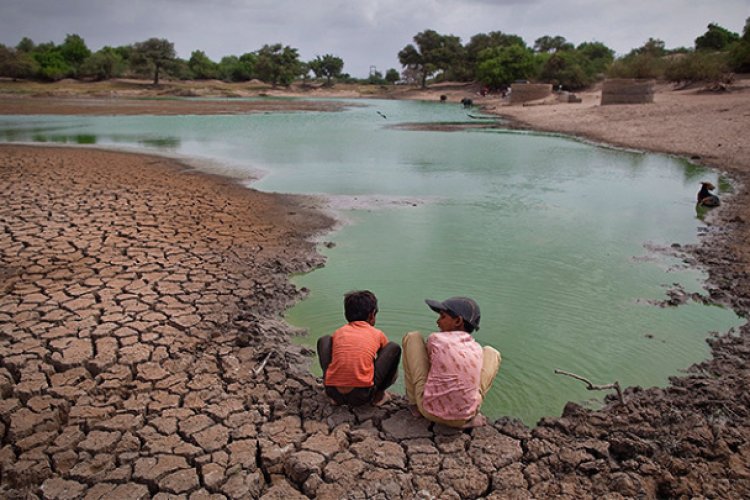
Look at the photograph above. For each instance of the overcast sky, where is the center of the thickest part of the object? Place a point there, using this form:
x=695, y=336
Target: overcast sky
x=363, y=33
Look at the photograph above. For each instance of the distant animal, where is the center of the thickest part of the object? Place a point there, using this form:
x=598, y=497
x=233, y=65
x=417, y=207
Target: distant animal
x=467, y=102
x=381, y=114
x=443, y=98
x=705, y=198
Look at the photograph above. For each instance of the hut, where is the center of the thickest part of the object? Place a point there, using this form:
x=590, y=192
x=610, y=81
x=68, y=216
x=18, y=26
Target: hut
x=525, y=92
x=627, y=91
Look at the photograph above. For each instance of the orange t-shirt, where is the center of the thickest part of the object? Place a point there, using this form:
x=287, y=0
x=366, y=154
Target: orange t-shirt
x=355, y=347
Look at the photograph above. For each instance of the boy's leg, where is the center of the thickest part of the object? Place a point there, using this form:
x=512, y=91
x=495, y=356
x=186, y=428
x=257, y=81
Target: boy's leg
x=386, y=366
x=490, y=365
x=416, y=367
x=325, y=352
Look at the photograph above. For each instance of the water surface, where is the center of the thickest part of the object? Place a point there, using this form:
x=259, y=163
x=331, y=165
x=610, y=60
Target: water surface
x=551, y=236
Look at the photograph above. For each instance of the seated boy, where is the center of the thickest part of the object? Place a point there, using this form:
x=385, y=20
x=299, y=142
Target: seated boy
x=448, y=377
x=358, y=361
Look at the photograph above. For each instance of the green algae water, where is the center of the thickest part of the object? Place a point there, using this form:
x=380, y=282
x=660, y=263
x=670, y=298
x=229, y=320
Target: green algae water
x=560, y=242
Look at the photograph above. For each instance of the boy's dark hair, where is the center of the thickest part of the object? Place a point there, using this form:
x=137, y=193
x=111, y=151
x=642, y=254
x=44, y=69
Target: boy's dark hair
x=359, y=304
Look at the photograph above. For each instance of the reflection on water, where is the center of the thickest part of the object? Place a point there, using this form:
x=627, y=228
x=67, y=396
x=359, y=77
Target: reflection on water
x=552, y=237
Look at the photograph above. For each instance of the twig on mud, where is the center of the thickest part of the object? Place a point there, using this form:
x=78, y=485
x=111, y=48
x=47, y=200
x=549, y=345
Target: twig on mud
x=259, y=368
x=594, y=387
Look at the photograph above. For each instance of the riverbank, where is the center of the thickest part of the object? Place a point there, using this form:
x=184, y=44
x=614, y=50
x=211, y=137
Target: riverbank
x=142, y=351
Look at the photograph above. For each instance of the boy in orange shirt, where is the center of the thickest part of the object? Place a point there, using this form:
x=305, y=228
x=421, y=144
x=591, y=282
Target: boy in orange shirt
x=358, y=361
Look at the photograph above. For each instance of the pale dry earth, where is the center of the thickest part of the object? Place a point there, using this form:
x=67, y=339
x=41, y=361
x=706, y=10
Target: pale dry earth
x=142, y=354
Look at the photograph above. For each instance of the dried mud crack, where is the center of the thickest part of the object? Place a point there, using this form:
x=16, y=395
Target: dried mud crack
x=142, y=356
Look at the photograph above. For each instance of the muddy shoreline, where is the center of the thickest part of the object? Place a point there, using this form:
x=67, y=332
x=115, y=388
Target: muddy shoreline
x=142, y=355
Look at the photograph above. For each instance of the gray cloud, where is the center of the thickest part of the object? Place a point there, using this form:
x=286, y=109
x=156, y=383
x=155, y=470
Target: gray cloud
x=364, y=34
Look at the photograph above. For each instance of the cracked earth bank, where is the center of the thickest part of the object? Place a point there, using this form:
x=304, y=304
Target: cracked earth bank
x=142, y=356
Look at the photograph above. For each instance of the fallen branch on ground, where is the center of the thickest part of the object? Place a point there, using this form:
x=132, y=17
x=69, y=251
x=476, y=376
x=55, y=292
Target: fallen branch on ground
x=259, y=368
x=594, y=387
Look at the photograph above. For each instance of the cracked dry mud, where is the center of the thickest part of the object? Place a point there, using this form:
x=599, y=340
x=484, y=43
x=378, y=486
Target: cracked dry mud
x=142, y=356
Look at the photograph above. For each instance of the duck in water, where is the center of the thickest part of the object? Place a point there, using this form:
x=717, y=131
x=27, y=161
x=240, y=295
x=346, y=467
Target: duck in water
x=705, y=198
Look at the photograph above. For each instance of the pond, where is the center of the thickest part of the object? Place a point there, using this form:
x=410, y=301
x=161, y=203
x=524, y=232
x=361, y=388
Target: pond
x=560, y=242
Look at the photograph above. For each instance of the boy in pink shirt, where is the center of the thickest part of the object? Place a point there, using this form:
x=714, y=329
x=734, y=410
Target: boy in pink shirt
x=447, y=378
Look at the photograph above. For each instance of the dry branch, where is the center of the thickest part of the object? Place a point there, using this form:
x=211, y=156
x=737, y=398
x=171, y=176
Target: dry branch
x=595, y=387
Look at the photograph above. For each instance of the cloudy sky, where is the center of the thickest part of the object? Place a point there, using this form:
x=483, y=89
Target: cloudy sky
x=363, y=33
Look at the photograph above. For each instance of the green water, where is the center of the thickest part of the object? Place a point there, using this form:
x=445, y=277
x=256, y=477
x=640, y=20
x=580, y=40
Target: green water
x=554, y=238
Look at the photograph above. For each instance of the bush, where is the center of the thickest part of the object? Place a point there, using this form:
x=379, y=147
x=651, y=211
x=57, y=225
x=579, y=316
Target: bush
x=739, y=57
x=697, y=67
x=642, y=66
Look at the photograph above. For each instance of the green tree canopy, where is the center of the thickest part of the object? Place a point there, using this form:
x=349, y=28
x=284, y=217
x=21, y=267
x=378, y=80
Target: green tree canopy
x=482, y=41
x=597, y=57
x=156, y=53
x=201, y=67
x=715, y=38
x=739, y=53
x=17, y=64
x=500, y=66
x=52, y=65
x=277, y=64
x=566, y=68
x=74, y=51
x=433, y=52
x=653, y=48
x=237, y=69
x=392, y=76
x=103, y=64
x=551, y=44
x=25, y=45
x=328, y=66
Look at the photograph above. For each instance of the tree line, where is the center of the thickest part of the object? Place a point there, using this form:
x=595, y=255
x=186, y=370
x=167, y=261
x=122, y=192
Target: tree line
x=494, y=59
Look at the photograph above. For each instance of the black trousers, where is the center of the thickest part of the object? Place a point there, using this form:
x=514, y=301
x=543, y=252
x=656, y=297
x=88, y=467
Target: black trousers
x=386, y=371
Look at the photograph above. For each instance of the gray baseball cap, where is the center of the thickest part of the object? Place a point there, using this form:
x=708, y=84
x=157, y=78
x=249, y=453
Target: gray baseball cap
x=463, y=307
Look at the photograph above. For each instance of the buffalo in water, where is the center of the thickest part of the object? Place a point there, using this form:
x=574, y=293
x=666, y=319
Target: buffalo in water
x=705, y=198
x=467, y=102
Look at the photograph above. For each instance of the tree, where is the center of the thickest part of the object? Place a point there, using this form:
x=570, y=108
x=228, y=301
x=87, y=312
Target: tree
x=392, y=76
x=156, y=53
x=74, y=51
x=277, y=64
x=236, y=69
x=201, y=66
x=482, y=41
x=566, y=68
x=597, y=57
x=103, y=64
x=25, y=45
x=642, y=62
x=739, y=53
x=653, y=47
x=17, y=64
x=327, y=67
x=433, y=52
x=500, y=66
x=52, y=65
x=715, y=38
x=551, y=44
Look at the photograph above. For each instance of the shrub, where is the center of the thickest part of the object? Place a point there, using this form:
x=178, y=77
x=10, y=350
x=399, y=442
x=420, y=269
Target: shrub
x=644, y=65
x=697, y=67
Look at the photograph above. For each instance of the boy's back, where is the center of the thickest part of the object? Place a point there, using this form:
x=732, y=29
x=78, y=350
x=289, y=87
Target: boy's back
x=355, y=347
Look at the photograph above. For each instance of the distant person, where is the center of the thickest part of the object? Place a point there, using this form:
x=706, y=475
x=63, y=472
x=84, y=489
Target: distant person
x=448, y=377
x=358, y=361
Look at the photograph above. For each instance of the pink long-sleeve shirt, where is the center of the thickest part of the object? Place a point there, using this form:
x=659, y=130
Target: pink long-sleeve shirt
x=452, y=388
